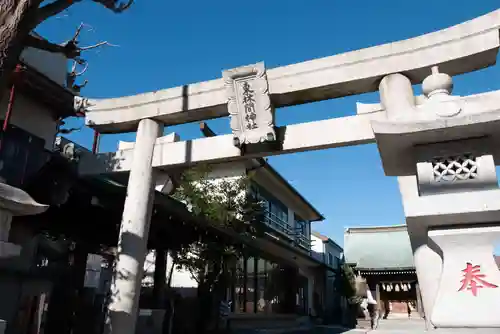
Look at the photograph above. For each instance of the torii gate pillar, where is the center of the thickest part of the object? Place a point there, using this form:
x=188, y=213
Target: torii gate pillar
x=134, y=231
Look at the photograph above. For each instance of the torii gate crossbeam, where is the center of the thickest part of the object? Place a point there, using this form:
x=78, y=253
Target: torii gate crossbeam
x=460, y=49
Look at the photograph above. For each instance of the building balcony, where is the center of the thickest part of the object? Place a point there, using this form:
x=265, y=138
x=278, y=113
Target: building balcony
x=303, y=241
x=282, y=227
x=278, y=224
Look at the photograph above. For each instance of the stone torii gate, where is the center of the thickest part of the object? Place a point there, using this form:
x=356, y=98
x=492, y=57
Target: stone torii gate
x=442, y=148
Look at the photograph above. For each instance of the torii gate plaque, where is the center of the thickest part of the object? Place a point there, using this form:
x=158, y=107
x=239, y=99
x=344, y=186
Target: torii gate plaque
x=452, y=208
x=249, y=105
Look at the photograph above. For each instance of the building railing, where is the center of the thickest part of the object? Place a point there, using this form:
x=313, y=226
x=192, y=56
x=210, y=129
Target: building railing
x=278, y=224
x=281, y=226
x=303, y=240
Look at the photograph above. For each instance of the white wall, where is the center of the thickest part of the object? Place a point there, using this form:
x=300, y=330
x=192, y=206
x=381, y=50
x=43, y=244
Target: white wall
x=31, y=117
x=320, y=251
x=180, y=278
x=53, y=65
x=317, y=248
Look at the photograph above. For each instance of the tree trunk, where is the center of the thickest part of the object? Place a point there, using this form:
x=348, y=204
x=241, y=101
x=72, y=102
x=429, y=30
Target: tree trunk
x=16, y=22
x=171, y=273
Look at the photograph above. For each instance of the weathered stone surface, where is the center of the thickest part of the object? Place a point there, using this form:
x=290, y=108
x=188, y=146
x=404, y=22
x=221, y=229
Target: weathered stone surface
x=249, y=104
x=439, y=117
x=134, y=231
x=460, y=49
x=14, y=202
x=445, y=168
x=336, y=132
x=469, y=289
x=18, y=202
x=450, y=145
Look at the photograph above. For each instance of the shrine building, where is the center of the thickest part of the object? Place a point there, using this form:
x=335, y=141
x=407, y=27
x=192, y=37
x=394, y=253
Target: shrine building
x=384, y=257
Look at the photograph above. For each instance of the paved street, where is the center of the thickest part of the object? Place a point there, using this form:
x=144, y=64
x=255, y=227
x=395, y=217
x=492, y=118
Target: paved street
x=401, y=326
x=398, y=325
x=391, y=326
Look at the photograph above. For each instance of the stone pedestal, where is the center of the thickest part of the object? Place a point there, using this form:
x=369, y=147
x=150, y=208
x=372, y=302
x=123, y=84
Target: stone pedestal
x=469, y=288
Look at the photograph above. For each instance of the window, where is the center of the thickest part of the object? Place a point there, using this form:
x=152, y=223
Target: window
x=250, y=302
x=300, y=228
x=276, y=212
x=261, y=270
x=330, y=259
x=263, y=286
x=257, y=193
x=240, y=285
x=300, y=225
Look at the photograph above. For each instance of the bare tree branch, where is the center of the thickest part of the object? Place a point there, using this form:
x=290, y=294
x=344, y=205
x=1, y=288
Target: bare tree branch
x=58, y=6
x=73, y=74
x=68, y=131
x=84, y=48
x=78, y=88
x=68, y=49
x=115, y=5
x=82, y=62
x=77, y=33
x=52, y=9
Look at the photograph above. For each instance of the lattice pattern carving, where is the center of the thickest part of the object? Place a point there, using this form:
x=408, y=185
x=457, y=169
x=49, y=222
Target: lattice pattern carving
x=454, y=168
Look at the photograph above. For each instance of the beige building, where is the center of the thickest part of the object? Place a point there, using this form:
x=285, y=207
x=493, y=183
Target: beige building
x=285, y=275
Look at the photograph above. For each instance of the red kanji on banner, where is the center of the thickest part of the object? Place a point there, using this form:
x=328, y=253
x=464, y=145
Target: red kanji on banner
x=473, y=279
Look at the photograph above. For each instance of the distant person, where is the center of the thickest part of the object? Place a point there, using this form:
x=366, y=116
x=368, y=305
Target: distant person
x=387, y=309
x=372, y=310
x=408, y=309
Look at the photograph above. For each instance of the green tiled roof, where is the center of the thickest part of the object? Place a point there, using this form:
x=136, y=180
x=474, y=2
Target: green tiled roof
x=378, y=247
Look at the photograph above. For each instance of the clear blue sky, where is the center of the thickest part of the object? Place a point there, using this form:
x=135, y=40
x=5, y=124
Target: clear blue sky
x=164, y=43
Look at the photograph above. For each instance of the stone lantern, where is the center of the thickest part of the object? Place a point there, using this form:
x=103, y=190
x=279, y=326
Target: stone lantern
x=14, y=202
x=443, y=149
